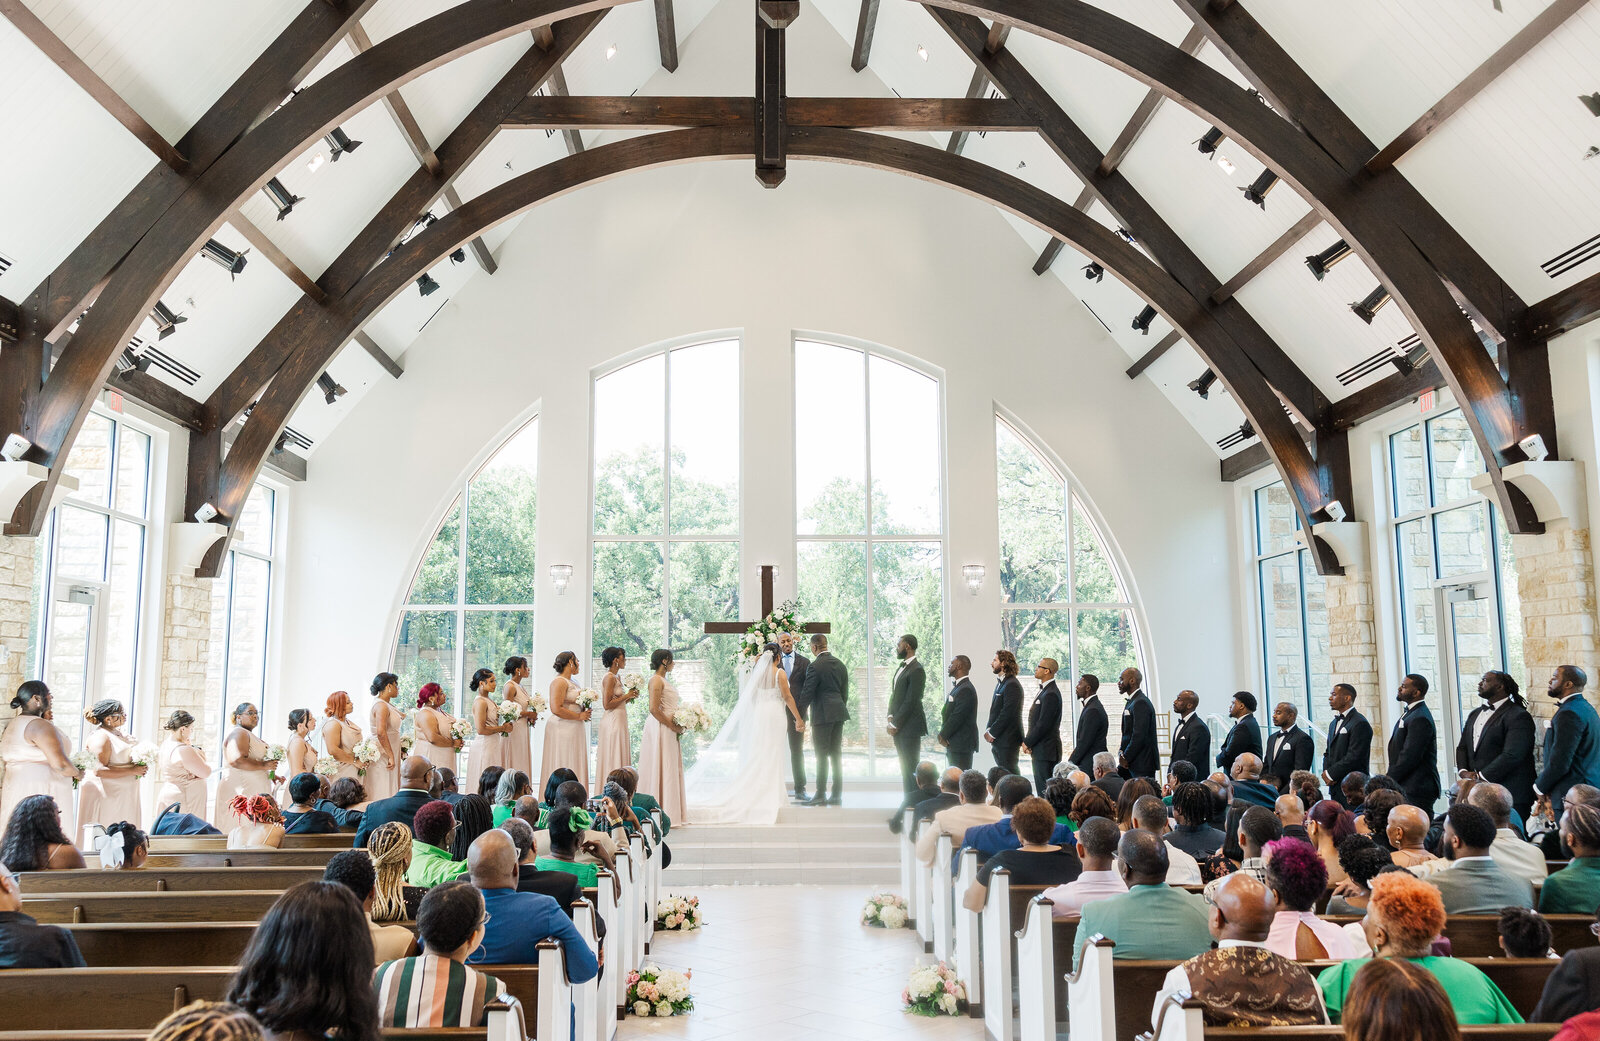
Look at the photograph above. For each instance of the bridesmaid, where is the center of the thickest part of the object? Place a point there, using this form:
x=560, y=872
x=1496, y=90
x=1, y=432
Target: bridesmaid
x=612, y=749
x=340, y=736
x=183, y=769
x=566, y=739
x=490, y=746
x=434, y=740
x=245, y=767
x=383, y=776
x=660, y=757
x=111, y=791
x=35, y=757
x=301, y=753
x=521, y=741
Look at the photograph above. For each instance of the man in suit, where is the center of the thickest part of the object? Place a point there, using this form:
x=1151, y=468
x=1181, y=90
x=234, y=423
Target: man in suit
x=958, y=722
x=416, y=776
x=794, y=666
x=1043, y=739
x=1497, y=742
x=1138, y=754
x=1413, y=746
x=1092, y=724
x=1004, y=728
x=1191, y=738
x=1106, y=777
x=1571, y=742
x=1289, y=748
x=1245, y=734
x=827, y=691
x=908, y=723
x=975, y=810
x=1474, y=883
x=1349, y=747
x=926, y=779
x=1248, y=790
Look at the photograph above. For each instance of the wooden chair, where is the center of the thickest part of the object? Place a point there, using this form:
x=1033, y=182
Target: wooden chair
x=166, y=879
x=62, y=908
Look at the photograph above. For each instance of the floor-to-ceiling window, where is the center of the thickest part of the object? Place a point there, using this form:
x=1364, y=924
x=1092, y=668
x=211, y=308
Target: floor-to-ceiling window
x=870, y=526
x=241, y=611
x=1296, y=666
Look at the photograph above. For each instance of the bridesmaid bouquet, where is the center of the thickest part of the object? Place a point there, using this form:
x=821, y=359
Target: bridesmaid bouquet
x=585, y=699
x=693, y=718
x=84, y=762
x=408, y=741
x=538, y=703
x=275, y=754
x=461, y=730
x=934, y=990
x=654, y=991
x=145, y=755
x=633, y=682
x=681, y=913
x=884, y=911
x=327, y=765
x=510, y=711
x=366, y=752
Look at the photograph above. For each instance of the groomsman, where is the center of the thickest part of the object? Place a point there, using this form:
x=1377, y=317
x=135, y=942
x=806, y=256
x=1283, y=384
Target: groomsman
x=1413, y=746
x=794, y=665
x=1572, y=741
x=908, y=723
x=958, y=723
x=1245, y=734
x=1004, y=729
x=1349, y=747
x=1043, y=739
x=1191, y=738
x=1139, y=755
x=1289, y=749
x=1092, y=724
x=1497, y=742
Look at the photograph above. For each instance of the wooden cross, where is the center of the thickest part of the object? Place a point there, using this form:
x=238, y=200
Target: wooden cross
x=739, y=628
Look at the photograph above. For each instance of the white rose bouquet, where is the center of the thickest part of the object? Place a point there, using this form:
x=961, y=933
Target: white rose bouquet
x=884, y=911
x=538, y=703
x=366, y=753
x=654, y=991
x=692, y=718
x=84, y=762
x=509, y=711
x=461, y=730
x=681, y=913
x=275, y=754
x=934, y=990
x=633, y=683
x=408, y=741
x=327, y=765
x=585, y=699
x=144, y=754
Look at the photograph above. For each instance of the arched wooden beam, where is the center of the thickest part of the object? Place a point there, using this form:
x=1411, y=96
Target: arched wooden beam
x=320, y=341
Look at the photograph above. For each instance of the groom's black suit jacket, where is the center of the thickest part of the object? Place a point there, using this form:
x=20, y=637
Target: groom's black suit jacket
x=826, y=688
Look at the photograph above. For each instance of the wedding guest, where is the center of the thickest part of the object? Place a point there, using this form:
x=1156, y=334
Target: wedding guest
x=993, y=778
x=24, y=943
x=353, y=869
x=1257, y=827
x=35, y=840
x=1245, y=734
x=1096, y=846
x=949, y=794
x=1374, y=820
x=246, y=770
x=383, y=775
x=1404, y=914
x=1406, y=827
x=122, y=847
x=514, y=784
x=1180, y=772
x=1191, y=808
x=299, y=753
x=345, y=801
x=1138, y=755
x=907, y=720
x=1413, y=746
x=432, y=829
x=1246, y=981
x=566, y=732
x=1574, y=986
x=1059, y=793
x=925, y=780
x=491, y=741
x=434, y=740
x=516, y=923
x=1106, y=777
x=1348, y=749
x=563, y=886
x=1353, y=790
x=1288, y=749
x=1571, y=741
x=1090, y=732
x=552, y=785
x=110, y=791
x=595, y=847
x=1042, y=739
x=1474, y=884
x=644, y=805
x=390, y=848
x=437, y=988
x=1248, y=788
x=489, y=781
x=1398, y=1001
x=207, y=1021
x=989, y=839
x=474, y=816
x=447, y=785
x=1303, y=783
x=568, y=825
x=974, y=810
x=37, y=761
x=1575, y=889
x=1149, y=814
x=1549, y=840
x=1511, y=854
x=1131, y=792
x=302, y=817
x=1150, y=920
x=1039, y=861
x=1327, y=825
x=1297, y=877
x=1525, y=934
x=958, y=720
x=1003, y=730
x=519, y=745
x=1291, y=813
x=1092, y=802
x=1361, y=859
x=314, y=990
x=611, y=748
x=339, y=735
x=183, y=769
x=660, y=755
x=416, y=773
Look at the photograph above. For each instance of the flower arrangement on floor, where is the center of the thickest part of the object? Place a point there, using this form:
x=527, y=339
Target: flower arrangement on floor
x=145, y=755
x=885, y=911
x=680, y=913
x=257, y=809
x=275, y=754
x=654, y=991
x=366, y=753
x=693, y=718
x=509, y=712
x=84, y=761
x=327, y=765
x=585, y=699
x=934, y=990
x=785, y=618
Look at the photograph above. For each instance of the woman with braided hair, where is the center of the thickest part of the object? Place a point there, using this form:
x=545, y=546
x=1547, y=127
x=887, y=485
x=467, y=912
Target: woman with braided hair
x=1575, y=889
x=207, y=1021
x=390, y=850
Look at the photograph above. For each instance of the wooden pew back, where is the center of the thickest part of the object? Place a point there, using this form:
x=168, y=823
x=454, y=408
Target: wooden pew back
x=219, y=843
x=151, y=945
x=1502, y=1032
x=233, y=858
x=62, y=908
x=167, y=880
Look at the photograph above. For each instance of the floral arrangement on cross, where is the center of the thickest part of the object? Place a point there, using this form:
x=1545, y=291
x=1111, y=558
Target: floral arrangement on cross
x=785, y=618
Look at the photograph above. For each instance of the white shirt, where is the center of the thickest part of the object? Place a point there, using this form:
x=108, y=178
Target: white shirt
x=1483, y=721
x=1182, y=868
x=1179, y=725
x=1177, y=981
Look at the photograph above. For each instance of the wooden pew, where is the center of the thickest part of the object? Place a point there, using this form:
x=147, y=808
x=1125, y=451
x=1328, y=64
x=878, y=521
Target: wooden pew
x=152, y=945
x=943, y=900
x=219, y=843
x=1478, y=935
x=908, y=866
x=997, y=964
x=61, y=908
x=235, y=858
x=1182, y=1021
x=166, y=880
x=389, y=1034
x=969, y=936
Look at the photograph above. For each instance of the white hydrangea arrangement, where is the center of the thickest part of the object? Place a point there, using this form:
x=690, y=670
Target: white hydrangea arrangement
x=784, y=619
x=680, y=913
x=654, y=991
x=934, y=990
x=693, y=718
x=885, y=911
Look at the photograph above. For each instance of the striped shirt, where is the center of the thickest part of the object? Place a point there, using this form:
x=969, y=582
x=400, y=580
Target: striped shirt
x=430, y=991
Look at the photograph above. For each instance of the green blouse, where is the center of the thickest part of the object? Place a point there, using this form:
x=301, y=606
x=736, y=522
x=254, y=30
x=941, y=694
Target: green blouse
x=587, y=874
x=502, y=812
x=1575, y=889
x=431, y=865
x=1475, y=997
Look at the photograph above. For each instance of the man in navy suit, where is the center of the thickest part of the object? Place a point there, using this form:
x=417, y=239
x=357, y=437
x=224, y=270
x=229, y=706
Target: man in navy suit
x=1191, y=738
x=1413, y=746
x=1245, y=734
x=1497, y=742
x=1289, y=748
x=1140, y=756
x=1043, y=739
x=1571, y=742
x=1092, y=724
x=1349, y=747
x=416, y=775
x=958, y=723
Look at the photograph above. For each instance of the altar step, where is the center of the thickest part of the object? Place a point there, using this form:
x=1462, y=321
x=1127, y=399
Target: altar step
x=807, y=846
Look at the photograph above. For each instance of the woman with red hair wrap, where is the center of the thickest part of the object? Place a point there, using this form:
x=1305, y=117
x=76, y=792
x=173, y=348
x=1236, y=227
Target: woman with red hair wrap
x=433, y=740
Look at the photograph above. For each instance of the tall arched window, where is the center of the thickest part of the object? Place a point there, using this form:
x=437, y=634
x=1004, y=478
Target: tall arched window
x=1061, y=594
x=471, y=602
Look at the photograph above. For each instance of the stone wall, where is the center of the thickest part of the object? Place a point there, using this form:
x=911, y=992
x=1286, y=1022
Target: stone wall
x=1556, y=587
x=16, y=618
x=1353, y=647
x=186, y=642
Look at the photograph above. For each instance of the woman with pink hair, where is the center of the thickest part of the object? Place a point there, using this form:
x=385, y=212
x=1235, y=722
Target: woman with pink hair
x=1297, y=877
x=433, y=740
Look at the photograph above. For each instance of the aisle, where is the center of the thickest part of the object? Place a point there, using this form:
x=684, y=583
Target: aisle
x=790, y=962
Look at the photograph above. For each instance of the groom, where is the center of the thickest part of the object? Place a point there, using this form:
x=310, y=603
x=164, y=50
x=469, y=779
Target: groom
x=826, y=685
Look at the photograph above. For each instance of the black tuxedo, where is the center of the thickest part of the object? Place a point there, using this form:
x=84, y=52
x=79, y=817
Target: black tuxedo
x=1191, y=743
x=1043, y=737
x=1091, y=735
x=1287, y=752
x=1005, y=722
x=908, y=718
x=827, y=689
x=1348, y=751
x=1139, y=737
x=797, y=740
x=958, y=723
x=402, y=806
x=1504, y=754
x=1244, y=736
x=1413, y=756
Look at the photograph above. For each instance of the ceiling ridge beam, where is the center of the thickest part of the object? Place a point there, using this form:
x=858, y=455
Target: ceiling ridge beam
x=866, y=27
x=1267, y=257
x=639, y=112
x=1146, y=111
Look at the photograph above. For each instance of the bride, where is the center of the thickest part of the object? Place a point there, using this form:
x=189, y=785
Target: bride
x=738, y=779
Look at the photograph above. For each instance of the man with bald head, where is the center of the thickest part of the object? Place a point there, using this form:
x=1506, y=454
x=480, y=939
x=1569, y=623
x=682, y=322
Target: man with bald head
x=1407, y=828
x=1241, y=983
x=1288, y=749
x=1291, y=813
x=516, y=923
x=1571, y=741
x=417, y=776
x=1247, y=785
x=1139, y=756
x=1191, y=738
x=1152, y=919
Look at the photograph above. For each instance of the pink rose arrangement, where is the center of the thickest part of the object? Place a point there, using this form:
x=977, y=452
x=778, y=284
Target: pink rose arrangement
x=654, y=991
x=934, y=990
x=681, y=913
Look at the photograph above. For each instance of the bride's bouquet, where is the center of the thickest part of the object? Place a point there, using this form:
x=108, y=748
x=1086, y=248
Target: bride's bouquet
x=509, y=711
x=884, y=911
x=692, y=718
x=366, y=753
x=934, y=990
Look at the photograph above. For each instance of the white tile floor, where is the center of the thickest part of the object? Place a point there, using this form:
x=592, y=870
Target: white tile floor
x=780, y=963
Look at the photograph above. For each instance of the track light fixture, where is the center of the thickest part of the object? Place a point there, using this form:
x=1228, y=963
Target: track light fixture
x=331, y=391
x=1319, y=263
x=1210, y=140
x=281, y=197
x=223, y=257
x=1258, y=189
x=1094, y=272
x=1371, y=304
x=458, y=255
x=1144, y=318
x=339, y=143
x=1237, y=437
x=1202, y=385
x=1126, y=236
x=128, y=361
x=1591, y=102
x=426, y=284
x=166, y=321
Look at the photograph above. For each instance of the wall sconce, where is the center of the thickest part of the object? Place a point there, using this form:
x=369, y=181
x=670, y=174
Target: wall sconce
x=560, y=575
x=973, y=573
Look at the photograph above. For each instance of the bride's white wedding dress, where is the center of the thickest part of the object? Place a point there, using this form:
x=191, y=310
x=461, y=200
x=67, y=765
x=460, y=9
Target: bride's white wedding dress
x=738, y=779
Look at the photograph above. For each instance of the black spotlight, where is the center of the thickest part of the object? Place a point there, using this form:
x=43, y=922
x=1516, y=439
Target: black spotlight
x=331, y=391
x=1145, y=317
x=223, y=257
x=1202, y=385
x=281, y=197
x=166, y=321
x=458, y=255
x=426, y=284
x=1319, y=263
x=1094, y=272
x=339, y=143
x=1210, y=140
x=128, y=361
x=1370, y=304
x=1258, y=189
x=1591, y=102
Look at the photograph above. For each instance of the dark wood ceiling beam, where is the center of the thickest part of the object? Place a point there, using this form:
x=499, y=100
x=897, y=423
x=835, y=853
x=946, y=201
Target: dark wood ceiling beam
x=975, y=89
x=1509, y=53
x=269, y=251
x=379, y=355
x=558, y=89
x=657, y=113
x=1052, y=249
x=1153, y=355
x=477, y=247
x=1563, y=311
x=1269, y=256
x=1145, y=112
x=395, y=103
x=667, y=35
x=866, y=26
